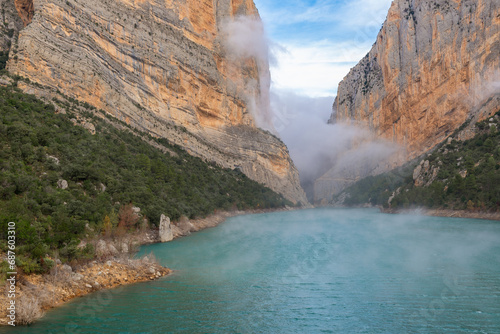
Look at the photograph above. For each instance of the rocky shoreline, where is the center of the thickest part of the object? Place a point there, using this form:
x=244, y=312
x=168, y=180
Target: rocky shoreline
x=448, y=213
x=36, y=294
x=113, y=268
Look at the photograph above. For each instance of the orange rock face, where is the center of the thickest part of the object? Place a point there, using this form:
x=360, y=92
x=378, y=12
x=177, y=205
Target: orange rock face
x=25, y=10
x=434, y=64
x=161, y=66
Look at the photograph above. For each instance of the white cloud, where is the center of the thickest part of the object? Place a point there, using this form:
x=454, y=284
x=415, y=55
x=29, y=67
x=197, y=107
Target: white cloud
x=245, y=38
x=324, y=40
x=364, y=13
x=315, y=69
x=338, y=14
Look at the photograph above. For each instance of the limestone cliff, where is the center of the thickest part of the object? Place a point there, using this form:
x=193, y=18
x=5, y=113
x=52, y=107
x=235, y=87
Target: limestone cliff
x=12, y=23
x=433, y=65
x=160, y=66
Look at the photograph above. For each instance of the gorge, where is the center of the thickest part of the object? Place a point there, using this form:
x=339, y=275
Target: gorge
x=433, y=66
x=125, y=124
x=162, y=67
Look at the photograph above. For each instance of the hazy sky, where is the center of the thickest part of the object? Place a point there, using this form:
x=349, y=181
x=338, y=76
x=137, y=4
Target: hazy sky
x=319, y=41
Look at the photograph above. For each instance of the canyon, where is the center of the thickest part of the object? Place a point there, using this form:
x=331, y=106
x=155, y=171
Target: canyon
x=434, y=65
x=162, y=67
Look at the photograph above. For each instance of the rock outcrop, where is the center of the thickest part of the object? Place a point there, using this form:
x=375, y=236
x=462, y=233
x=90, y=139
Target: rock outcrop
x=434, y=64
x=161, y=67
x=424, y=174
x=165, y=229
x=12, y=23
x=62, y=184
x=25, y=9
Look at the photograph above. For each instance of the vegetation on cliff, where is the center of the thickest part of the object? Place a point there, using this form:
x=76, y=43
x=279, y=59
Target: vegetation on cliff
x=4, y=56
x=457, y=175
x=60, y=181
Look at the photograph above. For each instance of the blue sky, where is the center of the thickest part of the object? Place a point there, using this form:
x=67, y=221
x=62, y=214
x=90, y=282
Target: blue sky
x=319, y=41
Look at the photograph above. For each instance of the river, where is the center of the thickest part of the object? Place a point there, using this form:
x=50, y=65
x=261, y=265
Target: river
x=310, y=271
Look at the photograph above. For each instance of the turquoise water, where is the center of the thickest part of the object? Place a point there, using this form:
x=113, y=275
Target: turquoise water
x=311, y=271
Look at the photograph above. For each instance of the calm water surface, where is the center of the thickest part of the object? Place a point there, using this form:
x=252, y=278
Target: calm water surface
x=312, y=271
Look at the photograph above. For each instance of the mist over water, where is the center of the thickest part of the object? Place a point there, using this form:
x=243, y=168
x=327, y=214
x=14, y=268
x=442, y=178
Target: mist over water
x=301, y=121
x=317, y=147
x=311, y=271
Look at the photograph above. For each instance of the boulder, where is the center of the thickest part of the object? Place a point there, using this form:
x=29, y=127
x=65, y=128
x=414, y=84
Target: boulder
x=63, y=184
x=55, y=159
x=90, y=127
x=100, y=248
x=66, y=268
x=77, y=277
x=112, y=250
x=124, y=247
x=165, y=232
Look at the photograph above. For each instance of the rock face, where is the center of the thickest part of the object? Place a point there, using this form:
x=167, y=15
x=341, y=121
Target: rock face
x=63, y=184
x=165, y=228
x=25, y=9
x=12, y=23
x=162, y=67
x=433, y=65
x=424, y=175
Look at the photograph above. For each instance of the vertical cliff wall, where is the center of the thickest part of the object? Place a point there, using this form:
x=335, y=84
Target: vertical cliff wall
x=434, y=63
x=10, y=24
x=161, y=66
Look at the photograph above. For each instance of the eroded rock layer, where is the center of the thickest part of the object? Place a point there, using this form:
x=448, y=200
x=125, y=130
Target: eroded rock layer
x=160, y=66
x=433, y=65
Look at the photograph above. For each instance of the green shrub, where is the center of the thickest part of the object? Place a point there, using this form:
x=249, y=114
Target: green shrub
x=50, y=220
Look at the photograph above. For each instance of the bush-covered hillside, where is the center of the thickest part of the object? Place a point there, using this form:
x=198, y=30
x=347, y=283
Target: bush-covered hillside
x=457, y=175
x=105, y=174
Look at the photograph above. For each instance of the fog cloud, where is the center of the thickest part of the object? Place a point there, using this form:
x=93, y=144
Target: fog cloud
x=301, y=121
x=245, y=39
x=317, y=147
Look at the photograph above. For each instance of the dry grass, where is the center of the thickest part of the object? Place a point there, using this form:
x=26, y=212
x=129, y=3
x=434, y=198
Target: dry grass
x=28, y=309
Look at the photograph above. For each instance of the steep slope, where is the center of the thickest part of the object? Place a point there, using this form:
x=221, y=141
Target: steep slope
x=160, y=66
x=457, y=175
x=12, y=23
x=434, y=63
x=64, y=169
